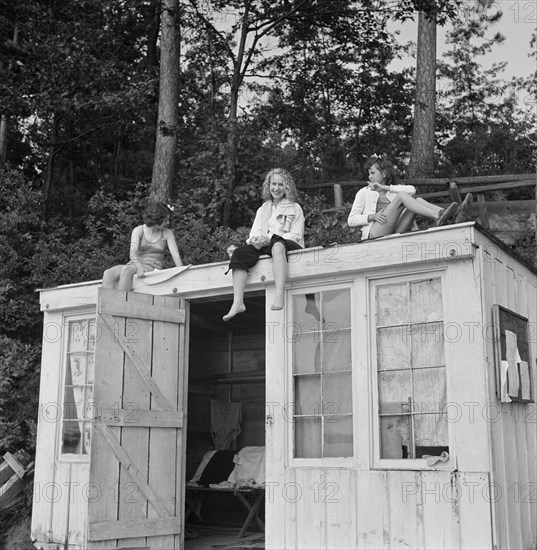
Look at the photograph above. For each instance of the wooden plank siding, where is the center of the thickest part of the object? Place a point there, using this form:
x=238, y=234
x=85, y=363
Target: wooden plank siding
x=512, y=425
x=483, y=498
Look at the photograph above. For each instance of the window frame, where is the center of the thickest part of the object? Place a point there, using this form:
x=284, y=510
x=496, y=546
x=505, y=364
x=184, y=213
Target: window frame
x=379, y=463
x=66, y=320
x=328, y=461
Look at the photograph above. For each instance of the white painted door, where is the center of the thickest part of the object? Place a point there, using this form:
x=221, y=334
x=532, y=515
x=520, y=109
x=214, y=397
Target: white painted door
x=136, y=489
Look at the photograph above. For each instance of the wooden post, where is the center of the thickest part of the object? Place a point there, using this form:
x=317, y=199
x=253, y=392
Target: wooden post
x=483, y=214
x=338, y=195
x=454, y=192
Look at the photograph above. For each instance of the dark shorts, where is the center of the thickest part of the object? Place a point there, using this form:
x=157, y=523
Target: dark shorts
x=247, y=256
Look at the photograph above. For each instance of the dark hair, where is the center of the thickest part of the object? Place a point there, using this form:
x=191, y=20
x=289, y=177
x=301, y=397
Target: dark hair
x=155, y=214
x=385, y=165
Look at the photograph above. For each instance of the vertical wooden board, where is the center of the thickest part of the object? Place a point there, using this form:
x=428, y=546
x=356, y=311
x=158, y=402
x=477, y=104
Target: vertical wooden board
x=512, y=478
x=403, y=509
x=104, y=466
x=371, y=509
x=310, y=512
x=182, y=404
x=277, y=520
x=361, y=376
x=338, y=497
x=291, y=526
x=464, y=348
x=163, y=441
x=475, y=510
x=492, y=295
x=60, y=515
x=512, y=298
x=136, y=396
x=440, y=526
x=49, y=418
x=78, y=515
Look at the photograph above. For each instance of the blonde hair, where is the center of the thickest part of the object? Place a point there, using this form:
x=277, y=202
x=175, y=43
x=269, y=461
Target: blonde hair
x=289, y=186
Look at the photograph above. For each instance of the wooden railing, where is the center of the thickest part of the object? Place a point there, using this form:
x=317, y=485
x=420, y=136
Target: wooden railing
x=454, y=189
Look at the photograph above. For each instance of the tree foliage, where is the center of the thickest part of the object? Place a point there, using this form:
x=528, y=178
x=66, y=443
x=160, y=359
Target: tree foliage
x=315, y=90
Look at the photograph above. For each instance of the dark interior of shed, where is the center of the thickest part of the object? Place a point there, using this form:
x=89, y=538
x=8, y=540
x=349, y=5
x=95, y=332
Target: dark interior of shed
x=226, y=368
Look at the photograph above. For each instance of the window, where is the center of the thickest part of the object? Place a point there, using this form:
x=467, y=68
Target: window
x=78, y=387
x=322, y=374
x=411, y=370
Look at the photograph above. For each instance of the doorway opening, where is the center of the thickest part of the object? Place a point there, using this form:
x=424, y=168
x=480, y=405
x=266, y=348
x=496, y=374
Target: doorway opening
x=225, y=455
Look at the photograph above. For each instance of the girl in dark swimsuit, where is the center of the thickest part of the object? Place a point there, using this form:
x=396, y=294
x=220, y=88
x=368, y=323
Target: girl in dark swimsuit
x=148, y=244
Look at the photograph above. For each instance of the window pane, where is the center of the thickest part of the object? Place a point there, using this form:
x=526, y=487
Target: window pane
x=337, y=395
x=393, y=348
x=72, y=437
x=337, y=307
x=307, y=394
x=78, y=368
x=308, y=437
x=307, y=354
x=427, y=345
x=426, y=301
x=392, y=304
x=394, y=392
x=338, y=436
x=337, y=351
x=431, y=430
x=90, y=368
x=394, y=436
x=306, y=311
x=78, y=335
x=429, y=390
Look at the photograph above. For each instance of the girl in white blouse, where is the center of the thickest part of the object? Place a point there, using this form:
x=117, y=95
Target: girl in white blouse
x=383, y=208
x=278, y=227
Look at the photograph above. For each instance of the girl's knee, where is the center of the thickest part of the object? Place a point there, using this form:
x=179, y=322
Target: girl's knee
x=278, y=248
x=127, y=270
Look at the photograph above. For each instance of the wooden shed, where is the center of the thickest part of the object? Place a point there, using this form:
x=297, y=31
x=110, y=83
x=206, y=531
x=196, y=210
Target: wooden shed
x=393, y=397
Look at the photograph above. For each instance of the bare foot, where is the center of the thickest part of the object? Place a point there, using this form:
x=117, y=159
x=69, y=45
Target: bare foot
x=235, y=309
x=278, y=303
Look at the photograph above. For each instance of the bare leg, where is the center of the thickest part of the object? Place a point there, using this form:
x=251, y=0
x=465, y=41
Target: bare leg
x=239, y=284
x=405, y=221
x=419, y=206
x=279, y=268
x=111, y=276
x=392, y=212
x=434, y=207
x=125, y=277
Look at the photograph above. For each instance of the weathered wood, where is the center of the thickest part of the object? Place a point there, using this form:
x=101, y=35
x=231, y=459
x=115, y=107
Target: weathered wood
x=483, y=214
x=138, y=363
x=138, y=311
x=468, y=180
x=132, y=471
x=135, y=417
x=338, y=195
x=161, y=476
x=132, y=528
x=482, y=188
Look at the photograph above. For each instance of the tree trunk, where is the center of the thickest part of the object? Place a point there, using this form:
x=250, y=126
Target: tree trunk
x=231, y=157
x=166, y=135
x=3, y=141
x=422, y=154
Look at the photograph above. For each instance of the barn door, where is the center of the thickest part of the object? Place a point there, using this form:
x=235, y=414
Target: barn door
x=135, y=494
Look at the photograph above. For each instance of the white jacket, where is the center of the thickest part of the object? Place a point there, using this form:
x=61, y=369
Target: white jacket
x=289, y=217
x=365, y=203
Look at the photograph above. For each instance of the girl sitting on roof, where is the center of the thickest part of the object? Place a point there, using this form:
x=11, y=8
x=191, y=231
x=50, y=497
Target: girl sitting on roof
x=148, y=244
x=278, y=228
x=383, y=207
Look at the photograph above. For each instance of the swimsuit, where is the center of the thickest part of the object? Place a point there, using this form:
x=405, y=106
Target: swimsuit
x=151, y=255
